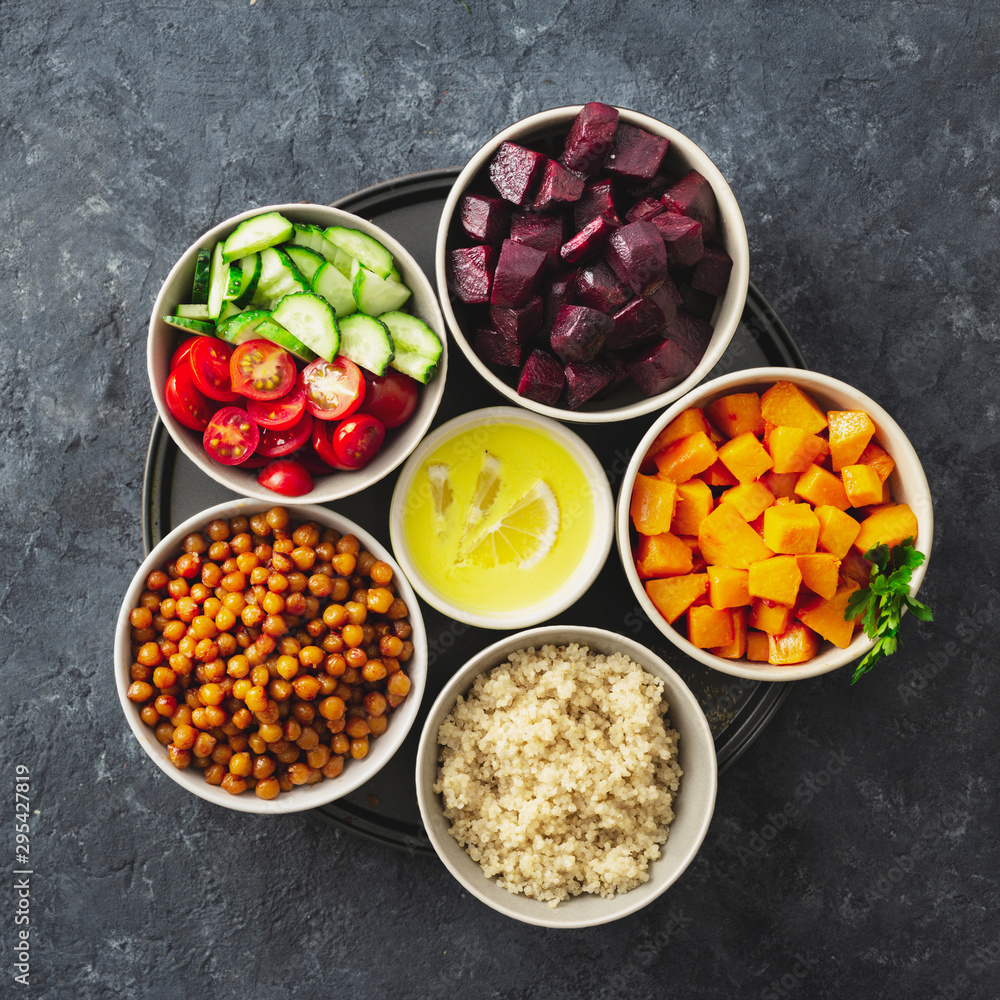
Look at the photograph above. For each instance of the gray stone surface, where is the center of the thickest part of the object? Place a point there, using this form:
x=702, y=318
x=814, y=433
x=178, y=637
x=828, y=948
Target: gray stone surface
x=861, y=140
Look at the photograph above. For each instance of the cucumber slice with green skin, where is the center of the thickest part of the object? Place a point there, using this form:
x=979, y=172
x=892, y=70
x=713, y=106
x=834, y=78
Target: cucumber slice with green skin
x=202, y=267
x=418, y=347
x=312, y=238
x=329, y=282
x=235, y=281
x=257, y=323
x=375, y=295
x=362, y=248
x=204, y=328
x=394, y=274
x=218, y=282
x=366, y=341
x=250, y=267
x=306, y=260
x=229, y=309
x=193, y=311
x=256, y=234
x=278, y=277
x=310, y=318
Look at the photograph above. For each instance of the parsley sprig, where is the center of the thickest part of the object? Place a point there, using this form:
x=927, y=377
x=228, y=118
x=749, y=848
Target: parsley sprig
x=884, y=600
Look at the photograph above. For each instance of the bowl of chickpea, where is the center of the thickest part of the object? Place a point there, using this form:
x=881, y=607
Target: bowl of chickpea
x=270, y=660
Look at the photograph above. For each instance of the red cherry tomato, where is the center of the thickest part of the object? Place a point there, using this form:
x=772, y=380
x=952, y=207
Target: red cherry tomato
x=322, y=442
x=182, y=353
x=333, y=388
x=391, y=397
x=285, y=476
x=276, y=443
x=209, y=360
x=313, y=463
x=279, y=414
x=185, y=402
x=357, y=439
x=231, y=436
x=261, y=370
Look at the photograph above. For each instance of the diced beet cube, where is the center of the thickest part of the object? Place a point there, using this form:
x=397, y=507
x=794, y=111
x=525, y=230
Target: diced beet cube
x=701, y=304
x=557, y=186
x=681, y=236
x=693, y=196
x=667, y=297
x=470, y=273
x=514, y=171
x=517, y=274
x=636, y=153
x=590, y=138
x=543, y=231
x=659, y=367
x=711, y=273
x=653, y=188
x=484, y=217
x=496, y=349
x=598, y=287
x=690, y=334
x=519, y=324
x=597, y=199
x=638, y=256
x=542, y=378
x=618, y=372
x=579, y=333
x=584, y=381
x=645, y=208
x=558, y=293
x=639, y=321
x=588, y=240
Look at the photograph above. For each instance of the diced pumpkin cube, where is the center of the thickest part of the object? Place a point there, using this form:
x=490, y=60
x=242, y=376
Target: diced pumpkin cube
x=855, y=567
x=686, y=458
x=837, y=530
x=826, y=616
x=783, y=501
x=862, y=485
x=694, y=504
x=770, y=617
x=881, y=461
x=725, y=539
x=708, y=626
x=891, y=525
x=820, y=573
x=796, y=645
x=791, y=528
x=718, y=475
x=727, y=588
x=785, y=404
x=697, y=559
x=652, y=506
x=750, y=499
x=776, y=579
x=794, y=450
x=675, y=594
x=745, y=457
x=850, y=432
x=781, y=484
x=737, y=414
x=820, y=487
x=681, y=426
x=662, y=555
x=758, y=646
x=736, y=649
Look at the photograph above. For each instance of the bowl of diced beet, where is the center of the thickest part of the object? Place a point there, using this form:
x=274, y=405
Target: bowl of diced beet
x=592, y=263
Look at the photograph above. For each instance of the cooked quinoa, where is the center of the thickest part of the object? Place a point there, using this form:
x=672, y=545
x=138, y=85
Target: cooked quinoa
x=558, y=772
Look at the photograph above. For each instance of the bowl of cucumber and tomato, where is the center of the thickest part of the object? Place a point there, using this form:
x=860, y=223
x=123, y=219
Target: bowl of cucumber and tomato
x=296, y=350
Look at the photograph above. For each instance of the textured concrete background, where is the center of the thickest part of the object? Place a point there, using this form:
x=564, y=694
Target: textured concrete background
x=861, y=140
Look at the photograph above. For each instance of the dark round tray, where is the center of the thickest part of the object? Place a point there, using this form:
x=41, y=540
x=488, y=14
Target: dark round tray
x=385, y=809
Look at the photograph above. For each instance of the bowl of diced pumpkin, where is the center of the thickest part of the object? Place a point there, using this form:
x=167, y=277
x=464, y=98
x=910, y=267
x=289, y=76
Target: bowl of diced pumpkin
x=746, y=512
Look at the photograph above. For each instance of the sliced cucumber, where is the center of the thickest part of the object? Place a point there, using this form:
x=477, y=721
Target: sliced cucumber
x=218, y=281
x=329, y=282
x=257, y=323
x=375, y=295
x=278, y=277
x=234, y=283
x=312, y=238
x=362, y=248
x=193, y=310
x=366, y=342
x=256, y=234
x=394, y=274
x=310, y=318
x=250, y=266
x=417, y=347
x=199, y=326
x=229, y=309
x=306, y=260
x=202, y=267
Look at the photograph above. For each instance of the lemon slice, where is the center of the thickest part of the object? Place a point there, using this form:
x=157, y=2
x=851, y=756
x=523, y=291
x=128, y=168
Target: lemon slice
x=441, y=492
x=485, y=493
x=524, y=535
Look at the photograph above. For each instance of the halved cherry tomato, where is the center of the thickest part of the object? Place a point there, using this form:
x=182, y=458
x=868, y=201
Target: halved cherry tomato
x=261, y=370
x=209, y=361
x=275, y=443
x=185, y=402
x=285, y=476
x=313, y=463
x=231, y=436
x=182, y=353
x=391, y=397
x=279, y=414
x=357, y=439
x=333, y=388
x=322, y=442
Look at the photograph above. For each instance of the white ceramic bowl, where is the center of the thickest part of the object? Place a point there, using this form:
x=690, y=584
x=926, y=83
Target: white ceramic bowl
x=356, y=772
x=683, y=155
x=163, y=339
x=693, y=805
x=907, y=482
x=592, y=560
